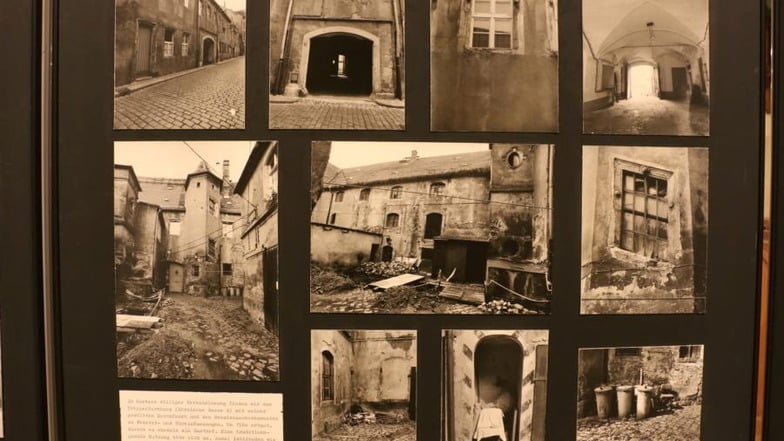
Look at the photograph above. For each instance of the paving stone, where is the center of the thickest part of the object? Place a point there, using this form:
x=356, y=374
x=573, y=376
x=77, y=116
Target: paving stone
x=681, y=425
x=649, y=116
x=314, y=113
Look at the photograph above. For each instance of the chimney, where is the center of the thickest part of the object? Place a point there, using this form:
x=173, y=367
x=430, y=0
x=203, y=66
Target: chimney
x=226, y=180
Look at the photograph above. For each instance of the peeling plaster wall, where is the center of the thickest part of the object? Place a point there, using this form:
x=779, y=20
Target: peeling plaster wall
x=253, y=267
x=149, y=266
x=592, y=99
x=660, y=366
x=382, y=364
x=620, y=281
x=591, y=373
x=524, y=101
x=326, y=415
x=340, y=248
x=461, y=347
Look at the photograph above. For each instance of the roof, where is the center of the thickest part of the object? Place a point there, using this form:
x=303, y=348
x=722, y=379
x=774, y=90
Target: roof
x=132, y=175
x=474, y=163
x=169, y=194
x=252, y=164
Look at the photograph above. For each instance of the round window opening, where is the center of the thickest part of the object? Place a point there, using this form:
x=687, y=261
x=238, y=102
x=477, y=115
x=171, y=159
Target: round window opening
x=514, y=159
x=510, y=247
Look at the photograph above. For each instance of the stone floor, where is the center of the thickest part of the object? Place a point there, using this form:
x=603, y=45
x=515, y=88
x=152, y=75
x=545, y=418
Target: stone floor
x=335, y=114
x=371, y=432
x=649, y=116
x=210, y=98
x=681, y=425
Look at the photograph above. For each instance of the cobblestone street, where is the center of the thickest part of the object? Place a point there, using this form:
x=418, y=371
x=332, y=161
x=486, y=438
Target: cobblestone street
x=329, y=114
x=210, y=98
x=371, y=432
x=649, y=116
x=681, y=425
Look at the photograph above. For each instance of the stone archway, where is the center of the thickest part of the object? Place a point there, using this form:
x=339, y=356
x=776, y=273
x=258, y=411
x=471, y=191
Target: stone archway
x=498, y=373
x=364, y=45
x=208, y=51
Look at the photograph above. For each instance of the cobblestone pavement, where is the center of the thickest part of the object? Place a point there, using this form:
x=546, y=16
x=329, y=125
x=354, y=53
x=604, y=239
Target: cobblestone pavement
x=202, y=338
x=371, y=432
x=682, y=425
x=364, y=301
x=315, y=113
x=211, y=98
x=649, y=116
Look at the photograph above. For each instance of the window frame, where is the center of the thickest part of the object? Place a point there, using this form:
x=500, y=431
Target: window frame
x=492, y=16
x=395, y=192
x=227, y=271
x=327, y=376
x=168, y=45
x=364, y=194
x=392, y=218
x=433, y=193
x=339, y=196
x=185, y=45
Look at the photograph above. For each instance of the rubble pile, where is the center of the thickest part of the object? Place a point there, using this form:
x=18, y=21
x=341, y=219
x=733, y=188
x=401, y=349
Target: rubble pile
x=383, y=270
x=364, y=417
x=403, y=297
x=504, y=307
x=163, y=357
x=324, y=281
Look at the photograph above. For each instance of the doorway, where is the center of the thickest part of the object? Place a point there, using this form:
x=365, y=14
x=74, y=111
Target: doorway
x=207, y=51
x=680, y=82
x=642, y=81
x=270, y=285
x=498, y=373
x=340, y=64
x=468, y=259
x=175, y=278
x=143, y=45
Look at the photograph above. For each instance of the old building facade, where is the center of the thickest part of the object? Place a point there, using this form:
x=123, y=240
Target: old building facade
x=645, y=229
x=160, y=37
x=499, y=58
x=258, y=190
x=483, y=216
x=506, y=368
x=373, y=369
x=337, y=47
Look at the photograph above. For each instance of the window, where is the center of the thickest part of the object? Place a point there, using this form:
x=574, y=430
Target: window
x=433, y=225
x=339, y=196
x=364, y=195
x=211, y=247
x=437, y=189
x=644, y=214
x=327, y=376
x=212, y=207
x=228, y=230
x=393, y=220
x=491, y=24
x=199, y=8
x=168, y=43
x=394, y=193
x=690, y=353
x=628, y=352
x=333, y=218
x=186, y=3
x=174, y=228
x=515, y=159
x=186, y=43
x=195, y=270
x=341, y=65
x=226, y=269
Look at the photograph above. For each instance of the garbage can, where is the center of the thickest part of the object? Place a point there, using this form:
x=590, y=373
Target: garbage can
x=625, y=400
x=644, y=402
x=604, y=400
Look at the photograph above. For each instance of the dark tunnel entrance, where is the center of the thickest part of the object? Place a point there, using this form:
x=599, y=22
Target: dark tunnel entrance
x=340, y=64
x=498, y=369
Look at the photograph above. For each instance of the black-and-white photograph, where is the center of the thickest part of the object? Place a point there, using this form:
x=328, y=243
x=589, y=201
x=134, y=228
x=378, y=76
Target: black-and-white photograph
x=494, y=385
x=646, y=67
x=644, y=230
x=363, y=385
x=494, y=65
x=179, y=64
x=337, y=64
x=650, y=393
x=418, y=227
x=196, y=259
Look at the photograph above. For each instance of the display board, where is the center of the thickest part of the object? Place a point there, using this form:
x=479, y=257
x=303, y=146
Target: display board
x=453, y=219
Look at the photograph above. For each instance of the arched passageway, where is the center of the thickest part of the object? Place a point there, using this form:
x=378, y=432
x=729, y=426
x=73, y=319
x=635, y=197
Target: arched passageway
x=498, y=372
x=340, y=64
x=207, y=51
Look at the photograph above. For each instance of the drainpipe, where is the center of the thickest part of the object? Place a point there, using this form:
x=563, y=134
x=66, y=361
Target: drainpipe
x=398, y=45
x=281, y=60
x=329, y=210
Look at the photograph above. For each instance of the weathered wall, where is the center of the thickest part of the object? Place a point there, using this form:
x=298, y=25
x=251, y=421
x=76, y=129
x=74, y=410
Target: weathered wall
x=160, y=14
x=660, y=365
x=149, y=265
x=333, y=246
x=592, y=99
x=382, y=366
x=328, y=414
x=591, y=373
x=620, y=281
x=524, y=101
x=253, y=268
x=461, y=347
x=125, y=196
x=198, y=227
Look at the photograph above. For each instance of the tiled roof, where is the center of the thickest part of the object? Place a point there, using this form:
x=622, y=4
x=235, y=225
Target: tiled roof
x=427, y=167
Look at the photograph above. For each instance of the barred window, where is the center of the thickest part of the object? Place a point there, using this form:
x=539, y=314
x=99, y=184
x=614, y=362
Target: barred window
x=491, y=24
x=327, y=376
x=168, y=43
x=644, y=214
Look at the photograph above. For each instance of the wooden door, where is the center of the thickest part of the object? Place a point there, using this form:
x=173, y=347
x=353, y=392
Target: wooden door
x=270, y=284
x=143, y=45
x=175, y=278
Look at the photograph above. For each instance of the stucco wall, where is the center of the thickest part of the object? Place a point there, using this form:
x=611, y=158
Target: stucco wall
x=461, y=347
x=382, y=364
x=660, y=365
x=328, y=414
x=253, y=267
x=592, y=99
x=524, y=101
x=333, y=246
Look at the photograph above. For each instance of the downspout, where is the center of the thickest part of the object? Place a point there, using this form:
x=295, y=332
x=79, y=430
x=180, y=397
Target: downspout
x=398, y=45
x=329, y=210
x=281, y=60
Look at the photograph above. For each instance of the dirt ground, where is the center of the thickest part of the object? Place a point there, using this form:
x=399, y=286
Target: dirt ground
x=405, y=431
x=367, y=301
x=201, y=338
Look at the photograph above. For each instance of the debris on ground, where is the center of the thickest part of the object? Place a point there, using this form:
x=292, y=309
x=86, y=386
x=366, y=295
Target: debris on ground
x=325, y=281
x=504, y=307
x=162, y=357
x=358, y=415
x=382, y=270
x=402, y=297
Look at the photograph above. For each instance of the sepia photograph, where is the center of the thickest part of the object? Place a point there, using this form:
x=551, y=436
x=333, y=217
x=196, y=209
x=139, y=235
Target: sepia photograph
x=418, y=227
x=196, y=260
x=651, y=393
x=337, y=64
x=494, y=385
x=179, y=64
x=494, y=65
x=646, y=67
x=363, y=385
x=644, y=230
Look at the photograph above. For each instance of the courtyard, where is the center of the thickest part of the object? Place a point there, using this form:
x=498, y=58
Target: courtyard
x=678, y=425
